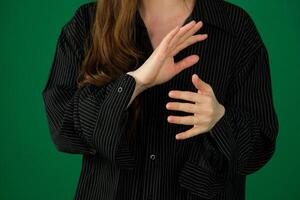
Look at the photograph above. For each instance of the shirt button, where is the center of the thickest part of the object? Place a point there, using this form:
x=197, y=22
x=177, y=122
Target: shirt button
x=120, y=89
x=93, y=151
x=152, y=157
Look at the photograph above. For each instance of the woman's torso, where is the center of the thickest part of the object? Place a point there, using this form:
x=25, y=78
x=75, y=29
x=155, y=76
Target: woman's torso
x=160, y=157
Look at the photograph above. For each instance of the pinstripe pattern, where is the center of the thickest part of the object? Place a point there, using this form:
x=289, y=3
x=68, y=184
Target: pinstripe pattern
x=92, y=121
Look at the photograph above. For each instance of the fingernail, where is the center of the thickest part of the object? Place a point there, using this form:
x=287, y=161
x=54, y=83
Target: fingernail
x=193, y=21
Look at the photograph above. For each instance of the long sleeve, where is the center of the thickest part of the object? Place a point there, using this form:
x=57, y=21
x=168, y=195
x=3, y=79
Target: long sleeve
x=247, y=133
x=243, y=140
x=89, y=120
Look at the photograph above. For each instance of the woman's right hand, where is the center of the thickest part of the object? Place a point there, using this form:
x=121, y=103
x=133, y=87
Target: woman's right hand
x=160, y=66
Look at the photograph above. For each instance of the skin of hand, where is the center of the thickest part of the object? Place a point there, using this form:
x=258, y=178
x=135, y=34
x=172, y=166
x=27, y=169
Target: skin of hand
x=206, y=109
x=160, y=66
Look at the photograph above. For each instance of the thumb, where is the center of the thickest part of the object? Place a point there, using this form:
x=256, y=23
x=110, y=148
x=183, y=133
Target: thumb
x=200, y=84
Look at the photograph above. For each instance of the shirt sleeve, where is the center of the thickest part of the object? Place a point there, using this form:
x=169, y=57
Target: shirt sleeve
x=243, y=140
x=89, y=120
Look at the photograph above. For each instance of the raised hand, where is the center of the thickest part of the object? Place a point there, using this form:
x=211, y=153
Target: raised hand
x=160, y=66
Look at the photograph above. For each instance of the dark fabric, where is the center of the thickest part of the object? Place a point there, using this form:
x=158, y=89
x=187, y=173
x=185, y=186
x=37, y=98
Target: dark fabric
x=92, y=121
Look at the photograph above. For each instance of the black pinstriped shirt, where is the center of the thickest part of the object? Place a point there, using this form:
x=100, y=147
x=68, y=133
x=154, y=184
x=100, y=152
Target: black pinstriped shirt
x=92, y=121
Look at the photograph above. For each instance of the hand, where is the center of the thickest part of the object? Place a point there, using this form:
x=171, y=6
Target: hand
x=160, y=66
x=205, y=108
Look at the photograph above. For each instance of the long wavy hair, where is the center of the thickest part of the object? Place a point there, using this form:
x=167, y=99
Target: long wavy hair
x=112, y=51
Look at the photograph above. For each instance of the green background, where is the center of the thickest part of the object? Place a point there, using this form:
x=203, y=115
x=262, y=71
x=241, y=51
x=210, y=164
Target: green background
x=31, y=167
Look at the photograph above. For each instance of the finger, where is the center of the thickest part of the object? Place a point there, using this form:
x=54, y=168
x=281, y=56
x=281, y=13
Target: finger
x=201, y=85
x=185, y=63
x=189, y=133
x=191, y=32
x=191, y=40
x=180, y=33
x=166, y=40
x=183, y=120
x=188, y=96
x=185, y=107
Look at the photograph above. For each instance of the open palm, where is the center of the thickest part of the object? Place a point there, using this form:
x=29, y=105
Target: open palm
x=160, y=66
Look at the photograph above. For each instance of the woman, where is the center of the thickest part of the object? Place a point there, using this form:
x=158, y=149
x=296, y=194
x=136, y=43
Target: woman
x=168, y=108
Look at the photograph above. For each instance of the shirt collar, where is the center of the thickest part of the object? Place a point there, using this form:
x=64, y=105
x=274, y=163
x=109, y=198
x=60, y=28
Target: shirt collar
x=212, y=12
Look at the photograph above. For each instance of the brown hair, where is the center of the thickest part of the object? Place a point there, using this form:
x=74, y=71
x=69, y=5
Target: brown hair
x=112, y=51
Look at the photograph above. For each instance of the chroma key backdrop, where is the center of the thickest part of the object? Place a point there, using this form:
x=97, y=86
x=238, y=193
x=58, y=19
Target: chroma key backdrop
x=31, y=167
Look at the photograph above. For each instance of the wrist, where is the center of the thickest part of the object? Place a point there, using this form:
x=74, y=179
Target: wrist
x=140, y=87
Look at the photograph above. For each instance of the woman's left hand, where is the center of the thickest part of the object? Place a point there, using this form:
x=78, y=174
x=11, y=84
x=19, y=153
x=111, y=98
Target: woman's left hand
x=206, y=109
